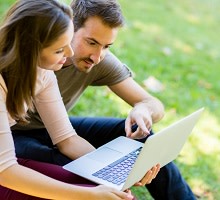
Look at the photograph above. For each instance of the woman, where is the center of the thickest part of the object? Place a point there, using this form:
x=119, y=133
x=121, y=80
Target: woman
x=35, y=40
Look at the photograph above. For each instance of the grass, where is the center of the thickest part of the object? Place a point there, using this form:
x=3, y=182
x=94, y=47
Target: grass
x=176, y=42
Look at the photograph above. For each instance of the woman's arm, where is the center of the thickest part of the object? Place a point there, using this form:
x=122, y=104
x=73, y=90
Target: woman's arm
x=54, y=115
x=30, y=182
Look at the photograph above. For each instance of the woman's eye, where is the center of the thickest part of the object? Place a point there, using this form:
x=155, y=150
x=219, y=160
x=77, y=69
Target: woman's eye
x=59, y=51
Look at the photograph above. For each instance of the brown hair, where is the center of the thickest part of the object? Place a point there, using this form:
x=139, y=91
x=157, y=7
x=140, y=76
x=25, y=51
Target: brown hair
x=109, y=11
x=29, y=26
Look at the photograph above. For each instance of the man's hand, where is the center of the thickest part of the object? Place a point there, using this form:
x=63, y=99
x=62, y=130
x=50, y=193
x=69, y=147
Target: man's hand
x=141, y=116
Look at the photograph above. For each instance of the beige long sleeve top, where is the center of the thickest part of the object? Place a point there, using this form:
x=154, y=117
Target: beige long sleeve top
x=49, y=104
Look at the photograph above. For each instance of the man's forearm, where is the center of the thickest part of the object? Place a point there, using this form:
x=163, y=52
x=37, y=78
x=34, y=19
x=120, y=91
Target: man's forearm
x=154, y=106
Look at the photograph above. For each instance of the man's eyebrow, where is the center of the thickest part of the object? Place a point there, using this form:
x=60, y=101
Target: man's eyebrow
x=94, y=40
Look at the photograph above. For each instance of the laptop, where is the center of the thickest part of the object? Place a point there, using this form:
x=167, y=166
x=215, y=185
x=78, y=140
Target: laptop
x=123, y=162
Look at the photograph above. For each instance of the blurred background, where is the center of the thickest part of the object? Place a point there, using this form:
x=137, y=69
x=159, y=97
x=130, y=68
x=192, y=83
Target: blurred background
x=173, y=49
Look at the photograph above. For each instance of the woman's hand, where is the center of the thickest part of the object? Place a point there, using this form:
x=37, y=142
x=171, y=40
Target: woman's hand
x=150, y=175
x=103, y=192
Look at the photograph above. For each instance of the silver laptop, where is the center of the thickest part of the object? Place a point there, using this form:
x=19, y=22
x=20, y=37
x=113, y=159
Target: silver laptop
x=123, y=161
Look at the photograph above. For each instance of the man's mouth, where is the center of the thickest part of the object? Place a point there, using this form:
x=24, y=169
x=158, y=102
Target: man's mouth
x=89, y=63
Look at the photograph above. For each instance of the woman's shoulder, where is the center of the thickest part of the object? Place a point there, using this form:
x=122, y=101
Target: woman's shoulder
x=44, y=79
x=3, y=94
x=44, y=73
x=2, y=84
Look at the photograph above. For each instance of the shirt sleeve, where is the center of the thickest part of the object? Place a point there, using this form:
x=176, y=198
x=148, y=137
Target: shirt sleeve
x=49, y=104
x=7, y=150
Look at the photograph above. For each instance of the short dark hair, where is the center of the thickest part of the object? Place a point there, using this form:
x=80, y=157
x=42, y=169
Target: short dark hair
x=109, y=11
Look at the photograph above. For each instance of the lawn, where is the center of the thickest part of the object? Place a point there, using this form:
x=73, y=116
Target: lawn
x=176, y=43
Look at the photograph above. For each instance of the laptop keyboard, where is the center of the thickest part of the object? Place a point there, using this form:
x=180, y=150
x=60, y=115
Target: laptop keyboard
x=118, y=171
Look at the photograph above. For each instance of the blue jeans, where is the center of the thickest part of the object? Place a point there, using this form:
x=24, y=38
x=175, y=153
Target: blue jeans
x=36, y=144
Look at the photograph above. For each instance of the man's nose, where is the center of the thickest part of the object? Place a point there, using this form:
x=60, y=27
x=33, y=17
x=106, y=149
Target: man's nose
x=97, y=56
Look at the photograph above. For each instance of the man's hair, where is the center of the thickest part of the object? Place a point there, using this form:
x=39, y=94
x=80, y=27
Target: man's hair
x=28, y=27
x=109, y=11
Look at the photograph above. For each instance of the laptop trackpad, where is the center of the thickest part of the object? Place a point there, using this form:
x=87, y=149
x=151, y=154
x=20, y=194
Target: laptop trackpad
x=105, y=154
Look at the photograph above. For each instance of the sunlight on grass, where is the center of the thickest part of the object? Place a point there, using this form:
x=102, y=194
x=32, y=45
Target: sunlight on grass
x=124, y=108
x=193, y=19
x=147, y=28
x=180, y=45
x=206, y=134
x=200, y=187
x=202, y=151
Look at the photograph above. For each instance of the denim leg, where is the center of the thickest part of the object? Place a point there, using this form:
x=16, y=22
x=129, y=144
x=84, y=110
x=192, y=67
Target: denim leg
x=98, y=130
x=170, y=185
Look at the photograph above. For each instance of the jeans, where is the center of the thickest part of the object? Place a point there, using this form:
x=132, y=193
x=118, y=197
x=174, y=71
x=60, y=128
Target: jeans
x=36, y=144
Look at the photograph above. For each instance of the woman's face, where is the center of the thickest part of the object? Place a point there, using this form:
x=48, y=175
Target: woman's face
x=54, y=56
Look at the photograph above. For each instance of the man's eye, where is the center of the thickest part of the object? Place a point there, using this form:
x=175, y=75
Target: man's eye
x=91, y=43
x=107, y=47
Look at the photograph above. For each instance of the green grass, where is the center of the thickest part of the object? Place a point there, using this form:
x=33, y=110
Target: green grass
x=177, y=42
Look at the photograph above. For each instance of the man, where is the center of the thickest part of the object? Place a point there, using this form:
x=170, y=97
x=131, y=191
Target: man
x=96, y=24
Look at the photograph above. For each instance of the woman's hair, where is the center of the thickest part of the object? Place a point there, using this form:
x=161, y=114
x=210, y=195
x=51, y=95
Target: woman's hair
x=28, y=27
x=109, y=11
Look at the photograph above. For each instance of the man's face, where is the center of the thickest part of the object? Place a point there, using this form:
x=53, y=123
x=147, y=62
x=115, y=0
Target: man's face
x=91, y=43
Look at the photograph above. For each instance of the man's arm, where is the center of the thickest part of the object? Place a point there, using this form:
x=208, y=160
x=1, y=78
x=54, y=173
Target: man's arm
x=146, y=108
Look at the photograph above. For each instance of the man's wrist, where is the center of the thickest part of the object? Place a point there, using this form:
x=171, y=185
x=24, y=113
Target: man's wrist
x=146, y=104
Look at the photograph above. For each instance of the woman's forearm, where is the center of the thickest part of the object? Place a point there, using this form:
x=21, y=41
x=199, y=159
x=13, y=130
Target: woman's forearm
x=33, y=183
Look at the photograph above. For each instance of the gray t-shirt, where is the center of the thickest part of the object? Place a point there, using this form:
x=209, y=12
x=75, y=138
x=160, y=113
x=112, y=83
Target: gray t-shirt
x=72, y=84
